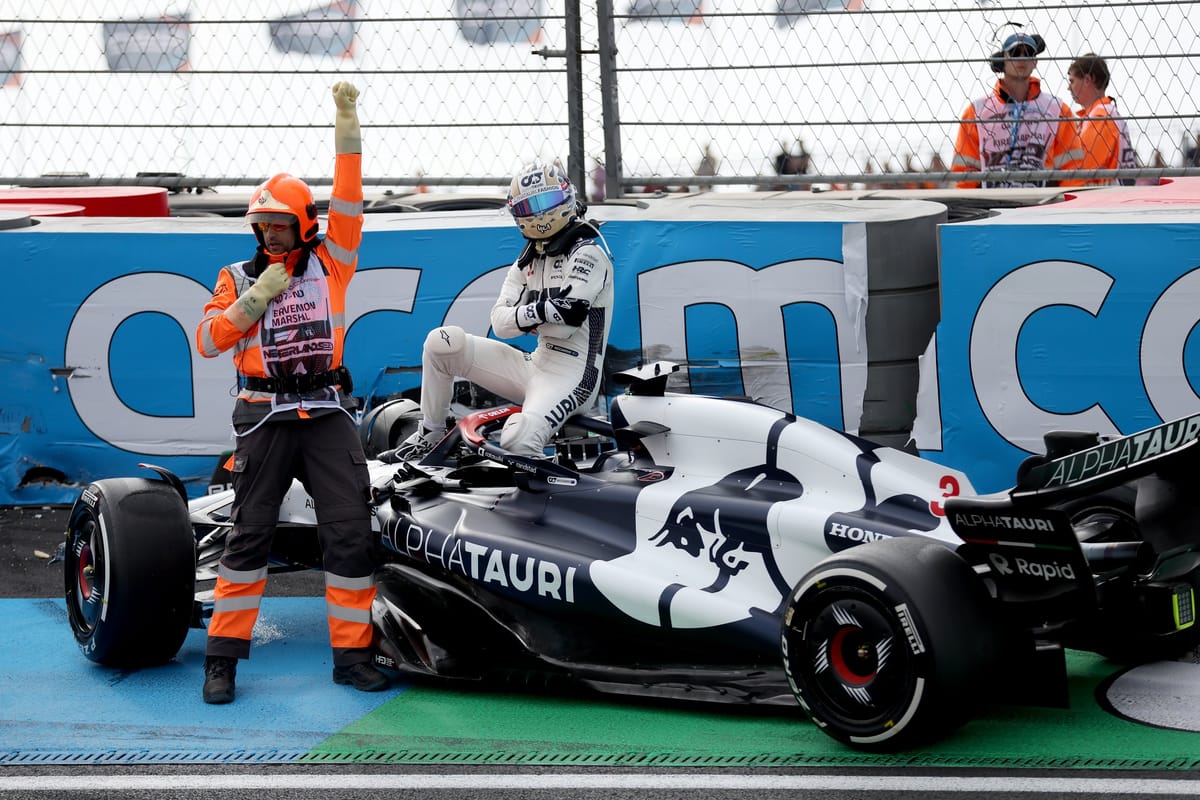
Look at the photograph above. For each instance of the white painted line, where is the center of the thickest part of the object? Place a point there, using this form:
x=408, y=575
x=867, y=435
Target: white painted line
x=579, y=781
x=1163, y=693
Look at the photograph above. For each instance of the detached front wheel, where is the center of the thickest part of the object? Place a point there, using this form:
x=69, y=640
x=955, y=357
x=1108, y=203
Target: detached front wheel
x=130, y=572
x=889, y=644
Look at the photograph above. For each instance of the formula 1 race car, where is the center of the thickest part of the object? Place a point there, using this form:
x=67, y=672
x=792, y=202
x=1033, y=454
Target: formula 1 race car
x=708, y=549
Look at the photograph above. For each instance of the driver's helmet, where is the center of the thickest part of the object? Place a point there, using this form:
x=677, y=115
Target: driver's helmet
x=284, y=199
x=542, y=200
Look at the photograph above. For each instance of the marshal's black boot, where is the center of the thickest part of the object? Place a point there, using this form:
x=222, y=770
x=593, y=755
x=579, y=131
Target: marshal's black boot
x=219, y=675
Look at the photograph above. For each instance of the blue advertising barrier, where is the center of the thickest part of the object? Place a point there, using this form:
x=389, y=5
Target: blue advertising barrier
x=1074, y=316
x=767, y=297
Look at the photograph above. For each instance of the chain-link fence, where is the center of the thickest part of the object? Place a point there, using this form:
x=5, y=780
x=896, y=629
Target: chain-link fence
x=631, y=94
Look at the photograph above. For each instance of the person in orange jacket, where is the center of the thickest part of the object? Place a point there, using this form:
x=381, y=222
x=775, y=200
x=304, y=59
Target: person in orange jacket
x=282, y=313
x=1017, y=126
x=1103, y=135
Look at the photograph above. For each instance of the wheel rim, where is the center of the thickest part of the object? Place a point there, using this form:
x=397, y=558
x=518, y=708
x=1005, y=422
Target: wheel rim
x=857, y=670
x=88, y=569
x=854, y=657
x=1106, y=523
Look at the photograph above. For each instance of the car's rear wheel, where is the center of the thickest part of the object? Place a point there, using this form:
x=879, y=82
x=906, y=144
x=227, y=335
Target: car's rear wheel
x=130, y=571
x=387, y=425
x=1106, y=516
x=888, y=644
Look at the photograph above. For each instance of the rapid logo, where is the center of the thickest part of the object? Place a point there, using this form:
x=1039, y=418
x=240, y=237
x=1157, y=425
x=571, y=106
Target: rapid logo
x=1042, y=570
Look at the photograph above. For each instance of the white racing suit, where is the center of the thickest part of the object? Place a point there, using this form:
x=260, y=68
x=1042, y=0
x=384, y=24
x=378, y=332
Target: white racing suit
x=562, y=289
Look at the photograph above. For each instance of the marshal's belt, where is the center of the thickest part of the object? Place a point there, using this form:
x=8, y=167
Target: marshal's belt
x=296, y=384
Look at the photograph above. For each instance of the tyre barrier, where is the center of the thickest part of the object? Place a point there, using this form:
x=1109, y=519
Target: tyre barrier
x=902, y=314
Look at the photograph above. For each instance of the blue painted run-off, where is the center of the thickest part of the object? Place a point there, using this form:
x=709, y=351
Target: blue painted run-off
x=53, y=700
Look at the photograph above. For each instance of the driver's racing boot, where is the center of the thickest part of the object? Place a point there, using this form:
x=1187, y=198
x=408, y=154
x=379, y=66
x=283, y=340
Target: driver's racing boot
x=416, y=446
x=361, y=676
x=219, y=675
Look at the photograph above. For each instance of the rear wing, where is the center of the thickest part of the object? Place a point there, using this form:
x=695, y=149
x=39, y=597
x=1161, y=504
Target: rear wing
x=1110, y=463
x=1032, y=556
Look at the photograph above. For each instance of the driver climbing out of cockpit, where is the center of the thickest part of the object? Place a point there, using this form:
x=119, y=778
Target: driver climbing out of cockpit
x=561, y=289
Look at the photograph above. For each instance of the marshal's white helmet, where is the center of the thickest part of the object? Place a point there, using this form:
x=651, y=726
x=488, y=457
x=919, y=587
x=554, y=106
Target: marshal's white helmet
x=542, y=200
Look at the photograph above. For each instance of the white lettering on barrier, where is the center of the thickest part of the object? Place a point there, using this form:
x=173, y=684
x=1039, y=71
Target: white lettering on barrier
x=206, y=431
x=470, y=309
x=757, y=314
x=102, y=410
x=1020, y=295
x=995, y=373
x=1164, y=339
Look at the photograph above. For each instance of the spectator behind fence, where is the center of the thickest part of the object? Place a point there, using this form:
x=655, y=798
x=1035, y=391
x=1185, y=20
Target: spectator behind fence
x=599, y=182
x=1103, y=135
x=1157, y=162
x=1191, y=149
x=937, y=165
x=1017, y=126
x=789, y=163
x=707, y=167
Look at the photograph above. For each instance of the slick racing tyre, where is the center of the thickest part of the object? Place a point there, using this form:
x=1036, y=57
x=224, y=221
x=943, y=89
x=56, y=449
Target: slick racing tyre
x=889, y=644
x=387, y=425
x=130, y=571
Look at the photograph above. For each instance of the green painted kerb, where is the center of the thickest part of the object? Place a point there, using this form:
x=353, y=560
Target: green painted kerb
x=440, y=726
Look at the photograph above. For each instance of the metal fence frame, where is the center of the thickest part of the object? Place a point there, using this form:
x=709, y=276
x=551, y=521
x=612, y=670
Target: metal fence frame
x=574, y=55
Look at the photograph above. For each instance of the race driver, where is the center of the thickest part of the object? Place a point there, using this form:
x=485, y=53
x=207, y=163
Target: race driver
x=559, y=288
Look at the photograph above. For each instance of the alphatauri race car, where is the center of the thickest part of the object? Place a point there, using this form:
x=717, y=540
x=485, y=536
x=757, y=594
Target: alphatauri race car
x=708, y=549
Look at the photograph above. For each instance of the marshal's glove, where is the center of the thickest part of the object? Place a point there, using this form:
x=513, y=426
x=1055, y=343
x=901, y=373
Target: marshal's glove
x=253, y=302
x=347, y=137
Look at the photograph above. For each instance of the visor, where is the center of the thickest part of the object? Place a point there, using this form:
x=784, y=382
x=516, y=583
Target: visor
x=539, y=203
x=270, y=217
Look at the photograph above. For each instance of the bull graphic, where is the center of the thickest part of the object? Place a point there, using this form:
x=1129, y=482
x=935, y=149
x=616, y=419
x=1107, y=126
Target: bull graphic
x=727, y=524
x=704, y=555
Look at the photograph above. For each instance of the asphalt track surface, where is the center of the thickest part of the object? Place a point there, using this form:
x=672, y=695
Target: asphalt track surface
x=70, y=728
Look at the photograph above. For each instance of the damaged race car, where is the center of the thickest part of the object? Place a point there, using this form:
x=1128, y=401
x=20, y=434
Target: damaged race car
x=707, y=549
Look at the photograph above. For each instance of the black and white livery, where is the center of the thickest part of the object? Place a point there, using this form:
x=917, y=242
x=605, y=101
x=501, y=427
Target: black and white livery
x=708, y=549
